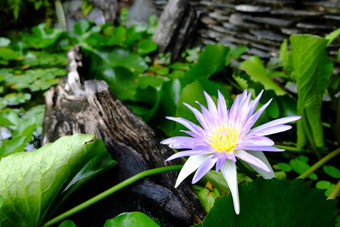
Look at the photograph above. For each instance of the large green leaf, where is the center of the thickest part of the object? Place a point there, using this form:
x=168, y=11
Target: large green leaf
x=254, y=67
x=210, y=61
x=146, y=46
x=332, y=36
x=169, y=96
x=136, y=219
x=313, y=69
x=31, y=181
x=17, y=143
x=274, y=203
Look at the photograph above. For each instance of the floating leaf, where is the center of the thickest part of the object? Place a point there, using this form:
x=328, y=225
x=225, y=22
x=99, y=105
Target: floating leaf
x=30, y=181
x=300, y=166
x=284, y=166
x=136, y=219
x=325, y=185
x=8, y=54
x=16, y=98
x=332, y=171
x=274, y=203
x=146, y=46
x=67, y=223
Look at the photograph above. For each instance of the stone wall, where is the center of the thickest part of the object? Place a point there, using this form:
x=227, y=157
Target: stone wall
x=262, y=25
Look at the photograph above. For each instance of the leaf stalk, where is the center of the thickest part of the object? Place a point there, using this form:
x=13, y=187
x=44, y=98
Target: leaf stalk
x=320, y=163
x=111, y=191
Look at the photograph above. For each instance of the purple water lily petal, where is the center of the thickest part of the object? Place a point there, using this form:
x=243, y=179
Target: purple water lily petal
x=253, y=104
x=251, y=121
x=203, y=169
x=276, y=122
x=220, y=161
x=251, y=160
x=198, y=116
x=182, y=142
x=188, y=124
x=255, y=140
x=271, y=130
x=260, y=148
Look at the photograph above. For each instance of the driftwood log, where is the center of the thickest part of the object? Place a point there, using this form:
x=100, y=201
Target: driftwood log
x=73, y=107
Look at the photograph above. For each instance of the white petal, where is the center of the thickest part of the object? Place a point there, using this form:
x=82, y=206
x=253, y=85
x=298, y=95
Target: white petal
x=189, y=167
x=254, y=140
x=198, y=116
x=262, y=157
x=228, y=170
x=253, y=104
x=251, y=120
x=188, y=124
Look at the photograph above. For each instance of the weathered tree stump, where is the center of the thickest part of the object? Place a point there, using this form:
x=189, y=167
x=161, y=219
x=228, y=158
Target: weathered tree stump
x=91, y=108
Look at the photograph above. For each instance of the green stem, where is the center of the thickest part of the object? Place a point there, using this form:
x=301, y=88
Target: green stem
x=320, y=163
x=335, y=191
x=111, y=191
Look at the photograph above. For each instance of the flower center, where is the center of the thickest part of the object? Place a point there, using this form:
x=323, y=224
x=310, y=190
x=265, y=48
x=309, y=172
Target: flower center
x=224, y=139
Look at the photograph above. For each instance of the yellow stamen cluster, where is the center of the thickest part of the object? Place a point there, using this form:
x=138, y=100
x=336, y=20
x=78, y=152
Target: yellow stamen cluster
x=224, y=139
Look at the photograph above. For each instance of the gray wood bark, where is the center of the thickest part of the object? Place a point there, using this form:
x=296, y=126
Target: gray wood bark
x=72, y=107
x=175, y=27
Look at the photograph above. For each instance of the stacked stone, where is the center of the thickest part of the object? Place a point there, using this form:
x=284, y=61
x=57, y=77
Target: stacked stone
x=262, y=25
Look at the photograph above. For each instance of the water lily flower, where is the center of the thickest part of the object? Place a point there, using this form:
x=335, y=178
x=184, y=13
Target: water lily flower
x=224, y=136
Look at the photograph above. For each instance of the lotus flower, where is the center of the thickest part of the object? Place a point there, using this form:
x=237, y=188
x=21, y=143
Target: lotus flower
x=224, y=136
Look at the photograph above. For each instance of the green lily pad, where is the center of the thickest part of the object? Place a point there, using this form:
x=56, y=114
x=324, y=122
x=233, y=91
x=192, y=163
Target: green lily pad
x=67, y=223
x=7, y=53
x=274, y=203
x=136, y=219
